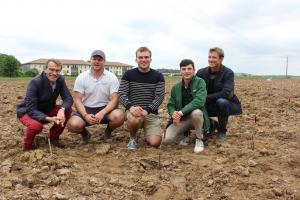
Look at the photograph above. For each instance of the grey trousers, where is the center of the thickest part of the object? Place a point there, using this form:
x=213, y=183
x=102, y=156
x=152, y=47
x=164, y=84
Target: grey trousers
x=193, y=121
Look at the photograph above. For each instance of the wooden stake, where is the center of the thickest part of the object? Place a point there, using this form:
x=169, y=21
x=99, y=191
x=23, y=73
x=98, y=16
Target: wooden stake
x=159, y=150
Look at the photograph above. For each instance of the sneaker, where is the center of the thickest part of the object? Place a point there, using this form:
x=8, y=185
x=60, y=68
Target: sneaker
x=199, y=146
x=107, y=132
x=57, y=143
x=132, y=144
x=185, y=141
x=85, y=136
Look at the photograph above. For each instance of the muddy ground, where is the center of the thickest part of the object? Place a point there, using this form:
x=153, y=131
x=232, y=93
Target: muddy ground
x=258, y=159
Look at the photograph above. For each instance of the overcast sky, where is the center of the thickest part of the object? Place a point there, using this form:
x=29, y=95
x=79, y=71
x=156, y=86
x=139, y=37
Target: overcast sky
x=256, y=35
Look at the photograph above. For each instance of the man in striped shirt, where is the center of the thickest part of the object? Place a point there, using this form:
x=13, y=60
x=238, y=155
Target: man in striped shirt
x=141, y=92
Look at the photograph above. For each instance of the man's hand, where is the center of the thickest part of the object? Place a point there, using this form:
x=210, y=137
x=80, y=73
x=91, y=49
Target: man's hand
x=137, y=111
x=99, y=116
x=144, y=113
x=176, y=116
x=61, y=117
x=55, y=120
x=91, y=119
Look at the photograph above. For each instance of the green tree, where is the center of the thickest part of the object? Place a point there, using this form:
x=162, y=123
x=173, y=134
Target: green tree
x=31, y=72
x=9, y=66
x=163, y=70
x=2, y=57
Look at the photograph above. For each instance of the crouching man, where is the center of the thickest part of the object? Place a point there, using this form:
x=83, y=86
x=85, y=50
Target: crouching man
x=96, y=99
x=221, y=100
x=186, y=107
x=39, y=105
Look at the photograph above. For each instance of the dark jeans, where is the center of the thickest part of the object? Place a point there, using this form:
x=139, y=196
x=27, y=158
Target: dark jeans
x=222, y=108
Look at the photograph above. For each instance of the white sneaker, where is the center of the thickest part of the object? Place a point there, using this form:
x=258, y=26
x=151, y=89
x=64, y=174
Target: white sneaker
x=199, y=146
x=185, y=141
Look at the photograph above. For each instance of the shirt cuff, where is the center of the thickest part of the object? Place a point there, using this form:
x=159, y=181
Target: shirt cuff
x=181, y=113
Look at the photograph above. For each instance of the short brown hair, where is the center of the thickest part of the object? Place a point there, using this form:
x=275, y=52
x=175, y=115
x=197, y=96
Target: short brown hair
x=218, y=50
x=56, y=61
x=142, y=49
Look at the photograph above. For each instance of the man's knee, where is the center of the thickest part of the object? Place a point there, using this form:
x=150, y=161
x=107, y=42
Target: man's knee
x=35, y=127
x=197, y=114
x=169, y=135
x=133, y=121
x=75, y=125
x=153, y=140
x=169, y=139
x=222, y=102
x=224, y=106
x=117, y=117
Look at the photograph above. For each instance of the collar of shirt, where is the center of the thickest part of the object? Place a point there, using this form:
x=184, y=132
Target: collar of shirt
x=53, y=85
x=103, y=74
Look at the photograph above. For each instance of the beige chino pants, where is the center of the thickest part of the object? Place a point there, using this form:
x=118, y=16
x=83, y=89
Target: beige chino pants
x=194, y=121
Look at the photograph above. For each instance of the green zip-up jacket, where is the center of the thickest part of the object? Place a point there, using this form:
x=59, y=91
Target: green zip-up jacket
x=199, y=94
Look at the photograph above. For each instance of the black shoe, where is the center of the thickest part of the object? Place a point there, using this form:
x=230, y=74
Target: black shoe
x=107, y=132
x=206, y=135
x=221, y=135
x=214, y=125
x=32, y=147
x=57, y=143
x=39, y=140
x=187, y=133
x=85, y=136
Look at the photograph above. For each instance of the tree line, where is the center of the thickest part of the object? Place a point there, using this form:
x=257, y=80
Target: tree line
x=11, y=67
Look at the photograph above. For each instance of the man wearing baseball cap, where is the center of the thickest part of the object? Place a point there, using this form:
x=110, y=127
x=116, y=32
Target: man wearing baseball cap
x=96, y=99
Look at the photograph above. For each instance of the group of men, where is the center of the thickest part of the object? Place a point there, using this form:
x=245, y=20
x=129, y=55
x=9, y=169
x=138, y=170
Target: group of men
x=97, y=94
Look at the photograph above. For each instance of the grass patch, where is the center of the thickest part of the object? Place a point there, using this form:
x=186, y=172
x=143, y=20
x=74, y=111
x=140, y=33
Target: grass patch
x=21, y=78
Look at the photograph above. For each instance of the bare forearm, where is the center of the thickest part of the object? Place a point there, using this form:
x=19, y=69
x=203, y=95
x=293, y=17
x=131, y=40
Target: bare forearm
x=80, y=107
x=110, y=106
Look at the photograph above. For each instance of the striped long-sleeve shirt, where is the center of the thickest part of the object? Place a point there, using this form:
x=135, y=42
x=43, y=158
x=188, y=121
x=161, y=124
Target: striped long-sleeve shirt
x=142, y=89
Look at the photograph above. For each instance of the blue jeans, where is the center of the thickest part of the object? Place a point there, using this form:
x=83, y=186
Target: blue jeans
x=222, y=108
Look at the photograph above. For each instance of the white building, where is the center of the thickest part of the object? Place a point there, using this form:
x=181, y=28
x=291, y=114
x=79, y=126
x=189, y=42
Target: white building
x=75, y=67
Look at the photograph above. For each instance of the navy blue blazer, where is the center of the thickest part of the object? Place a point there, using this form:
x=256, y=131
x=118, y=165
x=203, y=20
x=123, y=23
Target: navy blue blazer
x=223, y=87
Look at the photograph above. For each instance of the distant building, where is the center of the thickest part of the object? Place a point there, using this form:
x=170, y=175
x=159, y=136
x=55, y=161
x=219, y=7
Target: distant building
x=75, y=67
x=117, y=68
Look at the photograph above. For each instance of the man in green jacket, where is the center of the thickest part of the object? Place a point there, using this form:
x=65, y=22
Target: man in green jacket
x=186, y=107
